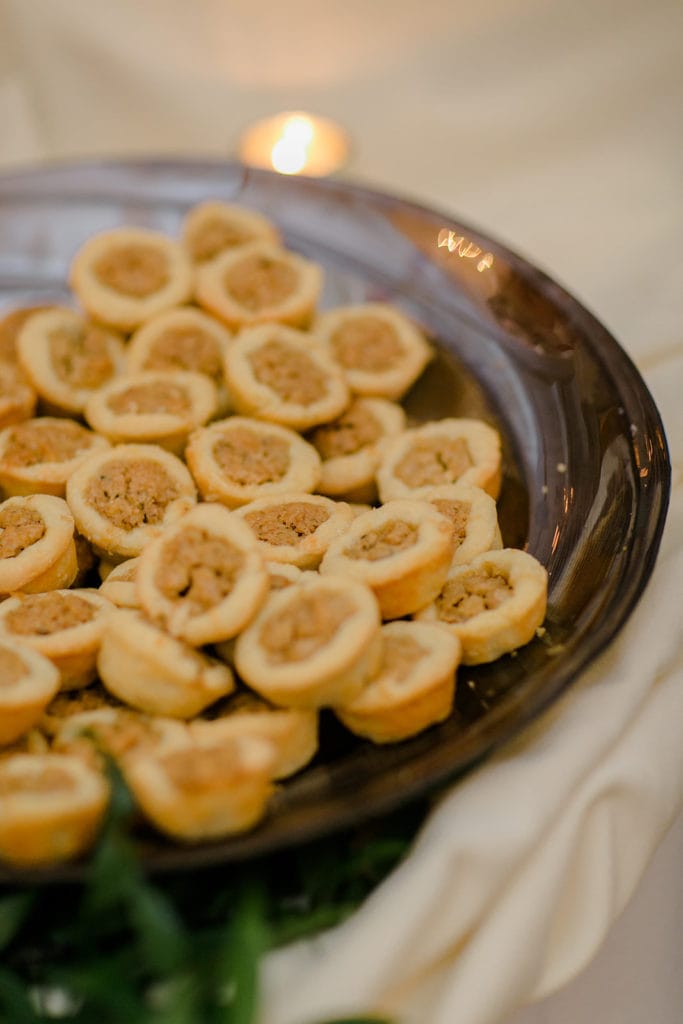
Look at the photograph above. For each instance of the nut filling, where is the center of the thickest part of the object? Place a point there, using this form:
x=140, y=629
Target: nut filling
x=44, y=614
x=441, y=460
x=199, y=569
x=135, y=270
x=291, y=374
x=462, y=599
x=304, y=627
x=151, y=398
x=458, y=512
x=258, y=282
x=383, y=542
x=80, y=357
x=19, y=529
x=366, y=343
x=12, y=668
x=399, y=656
x=49, y=780
x=35, y=442
x=250, y=458
x=355, y=429
x=287, y=524
x=132, y=493
x=186, y=348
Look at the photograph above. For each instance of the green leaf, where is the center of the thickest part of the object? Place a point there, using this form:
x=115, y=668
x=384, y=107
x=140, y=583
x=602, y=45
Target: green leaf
x=15, y=1006
x=161, y=937
x=247, y=940
x=14, y=910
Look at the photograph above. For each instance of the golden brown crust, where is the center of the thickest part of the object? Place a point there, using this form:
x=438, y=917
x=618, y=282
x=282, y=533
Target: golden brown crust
x=17, y=397
x=28, y=682
x=39, y=455
x=474, y=518
x=296, y=528
x=212, y=227
x=37, y=550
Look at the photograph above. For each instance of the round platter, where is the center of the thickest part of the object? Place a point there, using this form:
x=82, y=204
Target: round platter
x=587, y=473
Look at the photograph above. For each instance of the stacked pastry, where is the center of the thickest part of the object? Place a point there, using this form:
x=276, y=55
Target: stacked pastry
x=217, y=522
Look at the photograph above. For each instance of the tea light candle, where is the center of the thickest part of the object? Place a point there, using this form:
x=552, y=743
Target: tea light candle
x=295, y=143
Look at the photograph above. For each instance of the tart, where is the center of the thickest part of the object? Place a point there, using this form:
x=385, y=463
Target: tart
x=39, y=455
x=10, y=326
x=296, y=528
x=413, y=688
x=118, y=586
x=37, y=550
x=183, y=339
x=380, y=349
x=51, y=808
x=312, y=644
x=237, y=460
x=123, y=497
x=67, y=358
x=125, y=276
x=442, y=452
x=205, y=790
x=160, y=407
x=118, y=732
x=156, y=673
x=351, y=447
x=70, y=703
x=258, y=283
x=64, y=625
x=204, y=578
x=212, y=227
x=401, y=550
x=293, y=732
x=17, y=398
x=28, y=682
x=474, y=519
x=285, y=376
x=493, y=605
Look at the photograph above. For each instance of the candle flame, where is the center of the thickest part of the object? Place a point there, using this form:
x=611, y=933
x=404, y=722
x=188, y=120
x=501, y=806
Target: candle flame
x=289, y=155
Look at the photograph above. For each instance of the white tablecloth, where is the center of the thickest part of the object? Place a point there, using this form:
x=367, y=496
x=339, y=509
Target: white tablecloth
x=557, y=128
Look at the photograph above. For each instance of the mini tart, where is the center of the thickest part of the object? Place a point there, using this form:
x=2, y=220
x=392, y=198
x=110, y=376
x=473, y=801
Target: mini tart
x=64, y=625
x=414, y=687
x=280, y=575
x=205, y=790
x=380, y=349
x=474, y=518
x=441, y=452
x=401, y=550
x=493, y=605
x=160, y=407
x=119, y=587
x=183, y=339
x=153, y=672
x=282, y=375
x=39, y=455
x=237, y=460
x=69, y=703
x=123, y=497
x=51, y=807
x=10, y=326
x=67, y=358
x=259, y=283
x=37, y=550
x=119, y=732
x=312, y=644
x=125, y=276
x=28, y=682
x=17, y=397
x=293, y=732
x=204, y=579
x=296, y=528
x=212, y=227
x=351, y=447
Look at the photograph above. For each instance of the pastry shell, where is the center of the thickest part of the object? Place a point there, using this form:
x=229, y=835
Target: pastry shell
x=443, y=452
x=496, y=630
x=110, y=534
x=312, y=644
x=29, y=682
x=414, y=687
x=474, y=516
x=204, y=578
x=119, y=587
x=47, y=563
x=409, y=576
x=51, y=808
x=91, y=354
x=263, y=459
x=71, y=648
x=38, y=469
x=156, y=673
x=119, y=306
x=17, y=398
x=296, y=383
x=293, y=301
x=212, y=227
x=380, y=349
x=120, y=732
x=302, y=526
